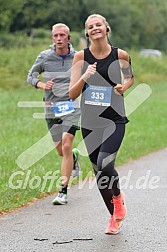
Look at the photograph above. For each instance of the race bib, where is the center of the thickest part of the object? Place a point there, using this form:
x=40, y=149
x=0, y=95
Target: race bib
x=63, y=108
x=98, y=95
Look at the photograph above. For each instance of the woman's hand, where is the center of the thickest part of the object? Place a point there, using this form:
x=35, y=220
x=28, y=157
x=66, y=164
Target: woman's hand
x=118, y=89
x=90, y=71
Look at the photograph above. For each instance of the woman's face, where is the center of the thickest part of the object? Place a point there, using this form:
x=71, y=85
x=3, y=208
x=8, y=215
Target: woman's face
x=96, y=28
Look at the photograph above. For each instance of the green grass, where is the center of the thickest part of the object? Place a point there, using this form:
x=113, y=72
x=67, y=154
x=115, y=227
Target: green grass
x=19, y=132
x=146, y=131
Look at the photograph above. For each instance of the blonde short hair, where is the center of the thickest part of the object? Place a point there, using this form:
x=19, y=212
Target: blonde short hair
x=58, y=25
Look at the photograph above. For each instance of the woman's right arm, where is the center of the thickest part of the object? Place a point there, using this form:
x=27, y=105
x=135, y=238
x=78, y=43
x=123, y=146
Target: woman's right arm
x=77, y=78
x=76, y=82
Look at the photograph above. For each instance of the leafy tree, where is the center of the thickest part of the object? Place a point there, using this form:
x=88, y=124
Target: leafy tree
x=9, y=10
x=32, y=14
x=134, y=23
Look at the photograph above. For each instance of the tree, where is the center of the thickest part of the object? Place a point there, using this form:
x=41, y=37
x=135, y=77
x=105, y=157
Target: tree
x=9, y=10
x=133, y=23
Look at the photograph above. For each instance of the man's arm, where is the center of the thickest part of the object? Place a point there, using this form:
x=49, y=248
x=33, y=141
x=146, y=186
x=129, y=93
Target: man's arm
x=36, y=69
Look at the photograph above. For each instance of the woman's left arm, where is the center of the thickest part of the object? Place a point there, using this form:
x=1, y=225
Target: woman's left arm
x=125, y=64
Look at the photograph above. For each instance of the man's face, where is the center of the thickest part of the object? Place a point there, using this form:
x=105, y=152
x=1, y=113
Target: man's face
x=60, y=37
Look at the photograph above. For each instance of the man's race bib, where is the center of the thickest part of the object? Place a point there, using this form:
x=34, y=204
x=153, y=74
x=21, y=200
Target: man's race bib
x=63, y=108
x=98, y=95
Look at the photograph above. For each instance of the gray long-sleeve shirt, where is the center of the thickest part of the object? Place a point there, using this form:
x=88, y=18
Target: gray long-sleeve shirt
x=53, y=66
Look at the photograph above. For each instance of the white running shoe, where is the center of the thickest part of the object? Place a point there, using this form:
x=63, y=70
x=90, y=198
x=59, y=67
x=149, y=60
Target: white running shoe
x=61, y=199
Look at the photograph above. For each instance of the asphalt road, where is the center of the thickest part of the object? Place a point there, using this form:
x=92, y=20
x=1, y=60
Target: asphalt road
x=80, y=225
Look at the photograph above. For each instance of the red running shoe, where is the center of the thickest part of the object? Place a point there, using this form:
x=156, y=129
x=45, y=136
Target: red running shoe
x=120, y=209
x=114, y=226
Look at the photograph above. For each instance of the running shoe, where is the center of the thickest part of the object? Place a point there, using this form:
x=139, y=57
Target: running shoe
x=76, y=166
x=120, y=209
x=61, y=199
x=113, y=226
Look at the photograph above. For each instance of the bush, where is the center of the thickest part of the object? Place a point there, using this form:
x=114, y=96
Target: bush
x=40, y=33
x=13, y=40
x=75, y=39
x=34, y=37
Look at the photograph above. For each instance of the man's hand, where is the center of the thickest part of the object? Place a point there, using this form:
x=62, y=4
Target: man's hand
x=45, y=86
x=49, y=84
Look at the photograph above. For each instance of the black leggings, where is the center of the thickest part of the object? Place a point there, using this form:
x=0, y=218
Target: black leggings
x=102, y=145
